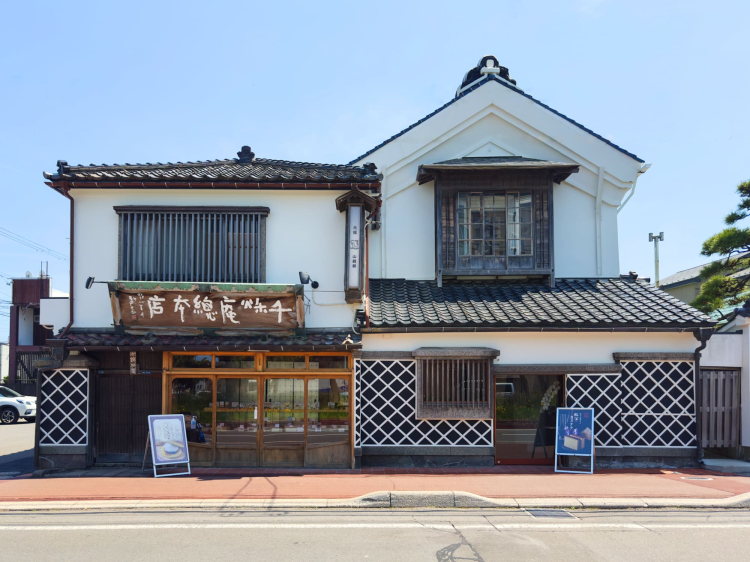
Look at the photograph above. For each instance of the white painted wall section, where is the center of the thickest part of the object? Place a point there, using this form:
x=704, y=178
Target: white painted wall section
x=26, y=325
x=54, y=312
x=518, y=348
x=304, y=232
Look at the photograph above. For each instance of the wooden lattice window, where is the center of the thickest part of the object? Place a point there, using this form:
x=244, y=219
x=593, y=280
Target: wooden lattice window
x=458, y=387
x=197, y=244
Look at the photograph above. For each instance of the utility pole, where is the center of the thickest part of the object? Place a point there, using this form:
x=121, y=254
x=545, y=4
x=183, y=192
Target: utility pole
x=656, y=240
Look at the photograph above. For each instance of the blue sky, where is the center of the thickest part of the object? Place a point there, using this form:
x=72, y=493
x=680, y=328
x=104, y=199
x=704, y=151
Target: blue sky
x=106, y=82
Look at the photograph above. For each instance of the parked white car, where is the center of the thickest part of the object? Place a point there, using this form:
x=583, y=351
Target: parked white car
x=14, y=406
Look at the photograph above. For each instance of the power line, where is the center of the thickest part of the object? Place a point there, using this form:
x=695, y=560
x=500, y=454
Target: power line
x=31, y=244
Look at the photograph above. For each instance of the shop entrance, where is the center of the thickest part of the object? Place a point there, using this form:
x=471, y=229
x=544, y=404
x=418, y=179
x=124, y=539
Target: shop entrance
x=525, y=410
x=239, y=412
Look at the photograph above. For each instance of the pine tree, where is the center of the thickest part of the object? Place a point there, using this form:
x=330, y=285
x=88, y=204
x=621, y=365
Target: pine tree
x=725, y=280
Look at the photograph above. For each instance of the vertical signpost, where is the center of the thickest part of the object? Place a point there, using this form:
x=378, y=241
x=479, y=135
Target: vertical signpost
x=574, y=437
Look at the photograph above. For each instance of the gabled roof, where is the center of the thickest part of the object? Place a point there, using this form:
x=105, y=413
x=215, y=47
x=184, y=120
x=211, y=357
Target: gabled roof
x=561, y=170
x=693, y=274
x=574, y=304
x=246, y=169
x=490, y=78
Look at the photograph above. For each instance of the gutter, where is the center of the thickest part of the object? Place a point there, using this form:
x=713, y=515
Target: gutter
x=60, y=186
x=66, y=193
x=643, y=170
x=702, y=335
x=476, y=329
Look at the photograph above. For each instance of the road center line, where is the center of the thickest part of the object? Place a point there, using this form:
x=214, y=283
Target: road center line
x=428, y=526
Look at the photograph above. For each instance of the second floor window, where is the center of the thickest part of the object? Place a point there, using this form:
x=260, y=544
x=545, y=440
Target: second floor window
x=199, y=244
x=495, y=224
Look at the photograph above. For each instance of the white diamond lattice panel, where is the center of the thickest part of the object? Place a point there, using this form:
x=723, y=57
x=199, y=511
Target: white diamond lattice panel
x=601, y=392
x=386, y=403
x=64, y=406
x=658, y=404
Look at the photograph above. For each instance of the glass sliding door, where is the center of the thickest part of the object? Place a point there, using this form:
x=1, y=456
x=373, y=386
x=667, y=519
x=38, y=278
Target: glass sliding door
x=328, y=429
x=193, y=398
x=237, y=422
x=525, y=410
x=283, y=422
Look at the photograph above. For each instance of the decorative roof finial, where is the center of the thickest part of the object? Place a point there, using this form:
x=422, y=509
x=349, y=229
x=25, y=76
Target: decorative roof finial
x=246, y=155
x=486, y=65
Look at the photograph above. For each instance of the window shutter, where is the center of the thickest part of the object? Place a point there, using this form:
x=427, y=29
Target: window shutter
x=448, y=219
x=542, y=227
x=195, y=245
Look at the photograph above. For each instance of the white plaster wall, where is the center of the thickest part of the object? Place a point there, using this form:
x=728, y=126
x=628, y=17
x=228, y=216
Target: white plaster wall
x=4, y=361
x=304, y=232
x=494, y=120
x=723, y=350
x=539, y=347
x=54, y=312
x=26, y=326
x=741, y=325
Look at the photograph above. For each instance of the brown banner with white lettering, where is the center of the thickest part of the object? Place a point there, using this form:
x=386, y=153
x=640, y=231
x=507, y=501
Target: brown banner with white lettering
x=191, y=309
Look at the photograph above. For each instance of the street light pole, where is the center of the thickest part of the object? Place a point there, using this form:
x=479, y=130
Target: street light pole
x=656, y=240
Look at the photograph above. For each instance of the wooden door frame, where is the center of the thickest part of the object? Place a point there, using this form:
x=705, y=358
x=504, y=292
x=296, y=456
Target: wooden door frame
x=260, y=374
x=521, y=461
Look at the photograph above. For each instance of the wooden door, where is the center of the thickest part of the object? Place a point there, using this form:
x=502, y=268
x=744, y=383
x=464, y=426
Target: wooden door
x=719, y=410
x=123, y=404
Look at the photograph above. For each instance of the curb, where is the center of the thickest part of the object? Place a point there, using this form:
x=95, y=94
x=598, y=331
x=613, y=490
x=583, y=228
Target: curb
x=386, y=500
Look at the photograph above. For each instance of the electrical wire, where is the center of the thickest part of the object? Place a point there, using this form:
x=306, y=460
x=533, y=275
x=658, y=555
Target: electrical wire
x=31, y=244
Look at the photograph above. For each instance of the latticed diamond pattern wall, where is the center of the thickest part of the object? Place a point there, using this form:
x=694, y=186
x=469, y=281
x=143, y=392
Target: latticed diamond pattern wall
x=601, y=392
x=658, y=404
x=63, y=407
x=386, y=403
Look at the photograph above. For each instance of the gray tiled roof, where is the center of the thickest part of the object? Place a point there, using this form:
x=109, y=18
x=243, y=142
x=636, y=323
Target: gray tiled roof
x=514, y=163
x=231, y=170
x=693, y=274
x=573, y=303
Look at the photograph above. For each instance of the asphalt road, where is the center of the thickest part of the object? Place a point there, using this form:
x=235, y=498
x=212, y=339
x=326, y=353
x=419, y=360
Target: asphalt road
x=16, y=448
x=379, y=535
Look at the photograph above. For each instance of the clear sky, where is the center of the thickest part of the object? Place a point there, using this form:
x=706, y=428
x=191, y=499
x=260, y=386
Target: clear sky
x=116, y=82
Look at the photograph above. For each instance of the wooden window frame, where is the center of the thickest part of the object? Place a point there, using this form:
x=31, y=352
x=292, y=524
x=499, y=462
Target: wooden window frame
x=541, y=260
x=453, y=399
x=210, y=269
x=261, y=375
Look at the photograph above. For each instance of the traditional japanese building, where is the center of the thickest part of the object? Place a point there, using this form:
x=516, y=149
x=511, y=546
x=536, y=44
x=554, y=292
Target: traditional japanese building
x=428, y=304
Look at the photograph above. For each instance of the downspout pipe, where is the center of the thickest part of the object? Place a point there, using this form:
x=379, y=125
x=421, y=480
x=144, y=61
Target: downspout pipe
x=702, y=335
x=66, y=193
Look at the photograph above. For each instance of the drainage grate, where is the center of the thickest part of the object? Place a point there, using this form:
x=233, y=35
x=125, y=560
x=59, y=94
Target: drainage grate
x=550, y=513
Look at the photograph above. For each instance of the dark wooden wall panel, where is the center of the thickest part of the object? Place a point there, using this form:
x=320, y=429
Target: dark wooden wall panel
x=30, y=291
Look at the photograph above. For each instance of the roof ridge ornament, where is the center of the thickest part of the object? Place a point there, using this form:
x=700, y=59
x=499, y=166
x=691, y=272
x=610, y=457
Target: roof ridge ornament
x=488, y=65
x=246, y=155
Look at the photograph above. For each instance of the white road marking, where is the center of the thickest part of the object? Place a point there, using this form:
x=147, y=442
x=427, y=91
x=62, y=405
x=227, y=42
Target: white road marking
x=427, y=526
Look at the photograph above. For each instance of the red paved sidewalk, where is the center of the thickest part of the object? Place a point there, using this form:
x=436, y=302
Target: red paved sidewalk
x=500, y=482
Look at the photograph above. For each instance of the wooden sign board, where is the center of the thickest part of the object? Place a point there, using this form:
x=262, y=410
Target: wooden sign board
x=176, y=308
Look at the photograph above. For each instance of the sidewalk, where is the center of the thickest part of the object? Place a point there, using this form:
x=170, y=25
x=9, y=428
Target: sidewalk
x=518, y=485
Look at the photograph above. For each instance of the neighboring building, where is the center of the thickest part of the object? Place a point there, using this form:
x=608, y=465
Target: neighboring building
x=26, y=343
x=454, y=280
x=686, y=285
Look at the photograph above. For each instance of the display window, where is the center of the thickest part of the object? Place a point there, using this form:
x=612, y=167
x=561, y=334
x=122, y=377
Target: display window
x=264, y=408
